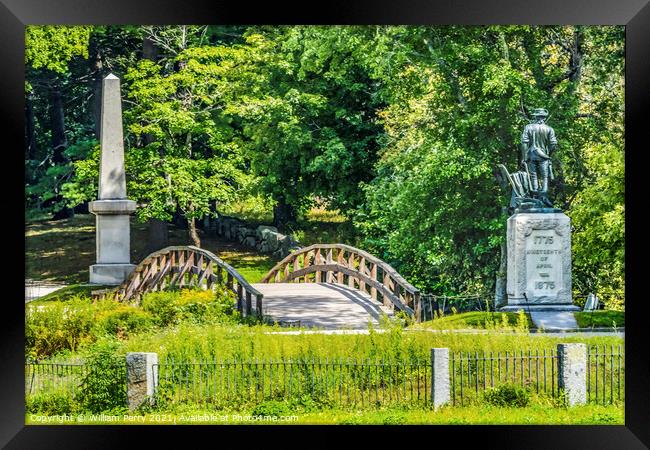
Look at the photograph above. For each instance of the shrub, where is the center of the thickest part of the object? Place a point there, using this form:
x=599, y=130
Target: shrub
x=394, y=419
x=56, y=403
x=193, y=305
x=56, y=326
x=104, y=385
x=271, y=408
x=162, y=307
x=507, y=395
x=120, y=319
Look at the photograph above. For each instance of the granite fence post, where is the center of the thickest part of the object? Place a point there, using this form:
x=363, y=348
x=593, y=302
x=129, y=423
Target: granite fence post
x=572, y=372
x=141, y=378
x=440, y=388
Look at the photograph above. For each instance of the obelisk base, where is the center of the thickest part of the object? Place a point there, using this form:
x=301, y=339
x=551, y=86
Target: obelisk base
x=110, y=274
x=113, y=241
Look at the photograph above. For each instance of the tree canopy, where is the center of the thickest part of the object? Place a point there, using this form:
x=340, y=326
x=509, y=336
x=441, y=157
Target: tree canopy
x=401, y=128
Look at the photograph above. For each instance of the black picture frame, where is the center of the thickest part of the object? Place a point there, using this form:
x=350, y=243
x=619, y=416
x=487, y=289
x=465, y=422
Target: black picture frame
x=634, y=14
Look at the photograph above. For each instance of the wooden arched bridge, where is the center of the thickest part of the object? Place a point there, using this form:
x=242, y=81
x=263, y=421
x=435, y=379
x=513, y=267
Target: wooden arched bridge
x=324, y=285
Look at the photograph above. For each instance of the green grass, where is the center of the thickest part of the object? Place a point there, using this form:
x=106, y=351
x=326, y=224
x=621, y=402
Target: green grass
x=475, y=320
x=470, y=415
x=68, y=292
x=62, y=251
x=318, y=225
x=190, y=342
x=600, y=319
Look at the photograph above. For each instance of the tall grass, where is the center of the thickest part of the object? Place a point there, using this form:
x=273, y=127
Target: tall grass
x=189, y=342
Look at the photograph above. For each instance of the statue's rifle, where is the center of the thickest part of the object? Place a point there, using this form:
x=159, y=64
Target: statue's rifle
x=530, y=186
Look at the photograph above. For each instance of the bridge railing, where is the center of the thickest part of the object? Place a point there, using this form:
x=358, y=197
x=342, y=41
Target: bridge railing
x=185, y=266
x=343, y=264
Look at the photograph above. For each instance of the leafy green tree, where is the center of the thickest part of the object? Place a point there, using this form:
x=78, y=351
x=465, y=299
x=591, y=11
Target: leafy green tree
x=310, y=120
x=195, y=157
x=48, y=52
x=459, y=98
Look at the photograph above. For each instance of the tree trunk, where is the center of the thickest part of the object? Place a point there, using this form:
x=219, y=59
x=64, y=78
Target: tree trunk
x=96, y=69
x=59, y=141
x=158, y=230
x=500, y=291
x=283, y=214
x=193, y=233
x=157, y=235
x=30, y=134
x=57, y=123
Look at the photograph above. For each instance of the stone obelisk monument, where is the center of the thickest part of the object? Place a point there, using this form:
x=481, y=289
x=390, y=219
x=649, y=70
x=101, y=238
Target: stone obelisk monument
x=112, y=209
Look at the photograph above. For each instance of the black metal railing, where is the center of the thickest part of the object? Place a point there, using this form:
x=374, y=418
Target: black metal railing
x=331, y=381
x=606, y=374
x=473, y=373
x=63, y=377
x=434, y=306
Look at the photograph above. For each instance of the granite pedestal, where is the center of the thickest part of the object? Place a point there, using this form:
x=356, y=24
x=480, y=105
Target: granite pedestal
x=539, y=262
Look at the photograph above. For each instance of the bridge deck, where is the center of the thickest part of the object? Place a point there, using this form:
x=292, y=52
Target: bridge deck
x=322, y=305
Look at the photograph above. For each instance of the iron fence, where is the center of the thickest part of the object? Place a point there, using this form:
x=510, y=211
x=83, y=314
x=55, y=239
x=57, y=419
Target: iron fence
x=67, y=377
x=435, y=305
x=328, y=381
x=348, y=382
x=63, y=377
x=471, y=374
x=605, y=374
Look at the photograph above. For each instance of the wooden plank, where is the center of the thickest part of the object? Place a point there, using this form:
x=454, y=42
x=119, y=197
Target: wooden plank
x=156, y=281
x=207, y=272
x=181, y=272
x=249, y=304
x=353, y=273
x=362, y=270
x=373, y=275
x=258, y=304
x=240, y=297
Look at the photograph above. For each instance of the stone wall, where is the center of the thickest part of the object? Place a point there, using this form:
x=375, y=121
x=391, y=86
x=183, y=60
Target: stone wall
x=263, y=238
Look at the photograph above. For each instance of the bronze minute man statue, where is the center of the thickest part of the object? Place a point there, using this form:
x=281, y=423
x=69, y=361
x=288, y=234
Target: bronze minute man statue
x=538, y=141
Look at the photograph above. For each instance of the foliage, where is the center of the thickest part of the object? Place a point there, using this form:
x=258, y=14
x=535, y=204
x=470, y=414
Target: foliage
x=458, y=102
x=191, y=305
x=272, y=408
x=477, y=319
x=57, y=326
x=189, y=342
x=103, y=387
x=120, y=320
x=70, y=292
x=466, y=415
x=53, y=46
x=507, y=395
x=399, y=128
x=310, y=118
x=597, y=319
x=54, y=403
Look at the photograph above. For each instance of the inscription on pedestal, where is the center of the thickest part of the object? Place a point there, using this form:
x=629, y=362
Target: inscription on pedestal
x=543, y=264
x=539, y=260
